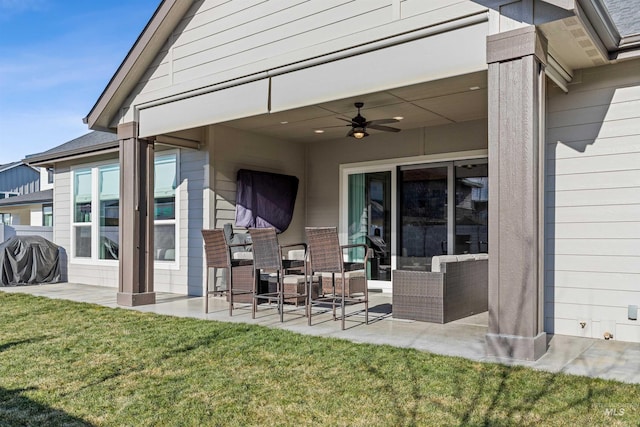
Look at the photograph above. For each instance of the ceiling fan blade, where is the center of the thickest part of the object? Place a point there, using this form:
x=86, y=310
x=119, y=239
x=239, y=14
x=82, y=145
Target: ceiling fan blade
x=333, y=127
x=348, y=121
x=382, y=122
x=384, y=128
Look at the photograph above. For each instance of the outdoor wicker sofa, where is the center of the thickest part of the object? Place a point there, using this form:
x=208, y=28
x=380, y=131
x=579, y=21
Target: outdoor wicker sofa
x=456, y=287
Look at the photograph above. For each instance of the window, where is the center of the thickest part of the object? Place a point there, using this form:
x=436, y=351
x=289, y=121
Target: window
x=47, y=215
x=165, y=181
x=109, y=199
x=5, y=218
x=97, y=189
x=50, y=175
x=82, y=213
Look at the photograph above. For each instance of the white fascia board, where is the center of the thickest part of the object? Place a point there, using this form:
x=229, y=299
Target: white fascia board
x=209, y=108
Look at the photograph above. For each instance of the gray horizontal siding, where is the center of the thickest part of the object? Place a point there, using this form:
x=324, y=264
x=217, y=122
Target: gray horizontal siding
x=593, y=204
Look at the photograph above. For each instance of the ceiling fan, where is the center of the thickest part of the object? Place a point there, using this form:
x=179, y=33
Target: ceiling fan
x=359, y=124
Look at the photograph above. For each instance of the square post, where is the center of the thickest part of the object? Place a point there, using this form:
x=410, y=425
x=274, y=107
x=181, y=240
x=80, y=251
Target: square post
x=516, y=84
x=136, y=218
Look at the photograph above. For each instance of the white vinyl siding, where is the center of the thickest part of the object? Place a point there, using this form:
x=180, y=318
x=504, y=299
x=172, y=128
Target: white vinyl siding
x=221, y=41
x=593, y=204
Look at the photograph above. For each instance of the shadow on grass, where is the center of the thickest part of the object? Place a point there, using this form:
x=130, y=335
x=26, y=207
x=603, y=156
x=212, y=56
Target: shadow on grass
x=6, y=346
x=18, y=410
x=506, y=397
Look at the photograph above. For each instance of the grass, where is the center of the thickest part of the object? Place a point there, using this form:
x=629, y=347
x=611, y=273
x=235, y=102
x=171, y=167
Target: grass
x=67, y=363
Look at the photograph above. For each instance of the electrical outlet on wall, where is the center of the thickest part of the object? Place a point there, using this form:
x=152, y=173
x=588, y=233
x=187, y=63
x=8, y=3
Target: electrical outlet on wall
x=583, y=327
x=607, y=329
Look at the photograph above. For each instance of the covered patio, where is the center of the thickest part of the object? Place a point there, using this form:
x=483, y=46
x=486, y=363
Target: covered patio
x=462, y=338
x=468, y=84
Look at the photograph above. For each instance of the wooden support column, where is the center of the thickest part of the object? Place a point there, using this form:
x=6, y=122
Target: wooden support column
x=136, y=218
x=516, y=91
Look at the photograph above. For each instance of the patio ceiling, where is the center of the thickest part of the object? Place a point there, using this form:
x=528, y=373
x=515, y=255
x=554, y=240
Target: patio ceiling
x=452, y=100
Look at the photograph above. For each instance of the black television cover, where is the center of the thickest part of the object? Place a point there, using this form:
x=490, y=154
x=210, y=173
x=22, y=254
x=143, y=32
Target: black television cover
x=265, y=199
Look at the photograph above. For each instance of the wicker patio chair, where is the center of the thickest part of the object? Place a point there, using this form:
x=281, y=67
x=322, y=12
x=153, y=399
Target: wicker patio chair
x=218, y=255
x=268, y=258
x=327, y=256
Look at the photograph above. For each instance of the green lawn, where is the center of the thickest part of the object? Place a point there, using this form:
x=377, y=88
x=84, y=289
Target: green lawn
x=66, y=363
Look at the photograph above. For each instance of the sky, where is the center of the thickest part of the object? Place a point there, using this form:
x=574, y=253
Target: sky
x=56, y=58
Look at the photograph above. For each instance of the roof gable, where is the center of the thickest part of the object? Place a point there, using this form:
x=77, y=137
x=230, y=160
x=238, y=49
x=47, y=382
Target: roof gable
x=142, y=53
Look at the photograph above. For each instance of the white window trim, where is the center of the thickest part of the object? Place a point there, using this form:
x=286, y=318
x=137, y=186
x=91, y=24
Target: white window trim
x=95, y=204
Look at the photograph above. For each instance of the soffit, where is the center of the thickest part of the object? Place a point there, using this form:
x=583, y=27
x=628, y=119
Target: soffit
x=598, y=32
x=574, y=45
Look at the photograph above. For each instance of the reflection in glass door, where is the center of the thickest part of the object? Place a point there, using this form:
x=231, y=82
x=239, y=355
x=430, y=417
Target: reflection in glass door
x=423, y=224
x=370, y=220
x=472, y=208
x=439, y=209
x=443, y=210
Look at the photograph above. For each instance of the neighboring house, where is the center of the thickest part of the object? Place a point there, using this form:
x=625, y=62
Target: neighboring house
x=22, y=199
x=18, y=178
x=539, y=100
x=34, y=209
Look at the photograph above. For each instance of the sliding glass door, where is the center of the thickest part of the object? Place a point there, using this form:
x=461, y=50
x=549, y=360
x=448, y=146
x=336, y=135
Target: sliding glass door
x=438, y=209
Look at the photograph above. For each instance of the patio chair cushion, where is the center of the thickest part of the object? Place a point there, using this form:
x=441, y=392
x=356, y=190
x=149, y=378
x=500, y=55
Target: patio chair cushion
x=295, y=284
x=436, y=261
x=296, y=254
x=355, y=282
x=297, y=279
x=243, y=255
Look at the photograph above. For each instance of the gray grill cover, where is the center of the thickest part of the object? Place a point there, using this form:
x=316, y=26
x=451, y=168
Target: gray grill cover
x=29, y=259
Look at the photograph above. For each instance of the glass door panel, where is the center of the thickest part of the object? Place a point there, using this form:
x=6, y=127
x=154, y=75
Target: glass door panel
x=423, y=215
x=472, y=208
x=369, y=216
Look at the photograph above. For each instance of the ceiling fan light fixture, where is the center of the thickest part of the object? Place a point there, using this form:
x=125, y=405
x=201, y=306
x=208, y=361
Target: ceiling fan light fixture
x=359, y=133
